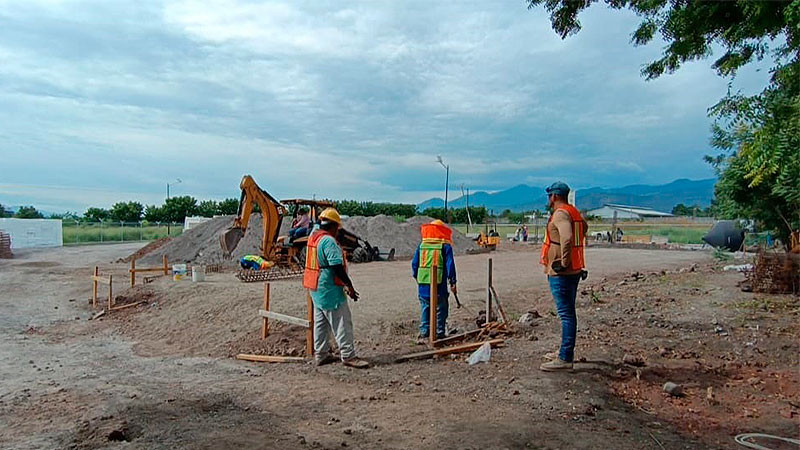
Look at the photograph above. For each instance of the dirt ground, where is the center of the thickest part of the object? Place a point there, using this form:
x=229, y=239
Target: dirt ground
x=161, y=375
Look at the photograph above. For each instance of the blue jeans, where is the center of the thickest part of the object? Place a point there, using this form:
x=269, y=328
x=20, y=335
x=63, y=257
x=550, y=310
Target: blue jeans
x=564, y=289
x=442, y=310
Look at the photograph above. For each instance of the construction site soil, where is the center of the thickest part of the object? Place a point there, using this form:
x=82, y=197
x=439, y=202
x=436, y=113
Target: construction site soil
x=160, y=375
x=200, y=245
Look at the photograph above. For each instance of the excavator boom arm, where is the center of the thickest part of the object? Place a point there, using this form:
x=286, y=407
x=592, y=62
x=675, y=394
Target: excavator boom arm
x=271, y=211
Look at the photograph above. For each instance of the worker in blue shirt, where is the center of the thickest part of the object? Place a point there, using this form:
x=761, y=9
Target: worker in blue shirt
x=436, y=247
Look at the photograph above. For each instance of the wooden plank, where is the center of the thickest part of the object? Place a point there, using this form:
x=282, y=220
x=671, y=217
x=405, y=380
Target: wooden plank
x=133, y=272
x=103, y=280
x=448, y=350
x=284, y=318
x=433, y=303
x=151, y=269
x=310, y=330
x=499, y=306
x=265, y=321
x=166, y=265
x=129, y=305
x=456, y=337
x=269, y=358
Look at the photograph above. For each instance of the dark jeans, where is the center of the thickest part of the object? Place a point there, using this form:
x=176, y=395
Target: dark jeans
x=442, y=310
x=564, y=289
x=296, y=233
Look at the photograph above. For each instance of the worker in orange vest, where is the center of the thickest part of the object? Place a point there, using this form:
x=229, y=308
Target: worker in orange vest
x=436, y=249
x=564, y=261
x=326, y=279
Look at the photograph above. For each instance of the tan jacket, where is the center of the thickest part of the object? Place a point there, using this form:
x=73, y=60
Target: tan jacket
x=560, y=231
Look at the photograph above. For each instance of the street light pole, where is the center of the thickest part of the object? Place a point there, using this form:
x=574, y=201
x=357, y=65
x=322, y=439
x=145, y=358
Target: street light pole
x=446, y=185
x=177, y=180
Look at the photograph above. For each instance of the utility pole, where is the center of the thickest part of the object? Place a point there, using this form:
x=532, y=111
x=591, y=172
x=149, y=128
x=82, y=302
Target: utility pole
x=177, y=180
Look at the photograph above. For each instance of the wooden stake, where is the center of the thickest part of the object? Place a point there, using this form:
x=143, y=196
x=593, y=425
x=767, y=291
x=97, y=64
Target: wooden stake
x=166, y=266
x=110, y=293
x=448, y=350
x=94, y=286
x=434, y=302
x=265, y=322
x=310, y=330
x=489, y=294
x=133, y=272
x=268, y=358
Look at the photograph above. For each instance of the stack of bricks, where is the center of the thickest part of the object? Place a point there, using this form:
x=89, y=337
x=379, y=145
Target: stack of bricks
x=5, y=246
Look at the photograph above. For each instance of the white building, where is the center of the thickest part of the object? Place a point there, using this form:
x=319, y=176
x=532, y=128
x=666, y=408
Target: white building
x=626, y=212
x=33, y=233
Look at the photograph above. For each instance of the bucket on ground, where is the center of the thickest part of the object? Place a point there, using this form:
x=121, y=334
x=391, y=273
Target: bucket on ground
x=198, y=273
x=178, y=271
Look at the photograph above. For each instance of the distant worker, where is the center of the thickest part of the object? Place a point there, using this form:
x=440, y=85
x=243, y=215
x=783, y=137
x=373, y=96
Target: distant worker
x=255, y=262
x=300, y=224
x=563, y=258
x=619, y=235
x=326, y=278
x=436, y=248
x=524, y=233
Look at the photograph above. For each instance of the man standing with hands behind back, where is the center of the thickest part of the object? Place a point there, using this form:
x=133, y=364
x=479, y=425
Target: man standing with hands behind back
x=564, y=261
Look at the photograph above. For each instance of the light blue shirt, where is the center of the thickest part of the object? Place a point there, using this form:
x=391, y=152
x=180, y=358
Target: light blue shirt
x=328, y=295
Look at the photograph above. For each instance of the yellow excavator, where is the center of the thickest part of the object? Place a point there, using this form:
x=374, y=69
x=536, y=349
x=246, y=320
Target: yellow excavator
x=285, y=257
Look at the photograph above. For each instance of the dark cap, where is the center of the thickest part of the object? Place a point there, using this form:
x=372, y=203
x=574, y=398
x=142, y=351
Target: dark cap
x=558, y=188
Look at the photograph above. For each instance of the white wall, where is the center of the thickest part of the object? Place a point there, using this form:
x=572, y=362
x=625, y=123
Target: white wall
x=191, y=222
x=31, y=233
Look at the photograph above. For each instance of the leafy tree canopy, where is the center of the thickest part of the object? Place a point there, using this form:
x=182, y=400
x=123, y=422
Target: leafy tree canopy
x=126, y=211
x=96, y=214
x=28, y=212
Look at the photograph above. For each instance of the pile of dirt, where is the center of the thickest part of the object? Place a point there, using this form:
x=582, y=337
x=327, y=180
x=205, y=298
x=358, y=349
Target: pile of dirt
x=386, y=233
x=145, y=250
x=200, y=245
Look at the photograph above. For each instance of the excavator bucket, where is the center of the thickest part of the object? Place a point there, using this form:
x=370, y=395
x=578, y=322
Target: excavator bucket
x=229, y=239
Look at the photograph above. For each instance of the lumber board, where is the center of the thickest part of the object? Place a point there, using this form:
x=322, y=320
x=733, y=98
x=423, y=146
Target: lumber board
x=148, y=269
x=310, y=329
x=101, y=279
x=448, y=350
x=284, y=318
x=129, y=305
x=269, y=358
x=457, y=337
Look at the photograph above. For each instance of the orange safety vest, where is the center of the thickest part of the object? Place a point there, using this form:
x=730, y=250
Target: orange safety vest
x=311, y=274
x=578, y=260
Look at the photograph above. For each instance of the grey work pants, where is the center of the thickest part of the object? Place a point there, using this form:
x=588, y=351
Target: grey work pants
x=338, y=322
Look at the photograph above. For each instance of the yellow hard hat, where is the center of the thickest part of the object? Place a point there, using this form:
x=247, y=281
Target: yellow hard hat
x=331, y=214
x=437, y=222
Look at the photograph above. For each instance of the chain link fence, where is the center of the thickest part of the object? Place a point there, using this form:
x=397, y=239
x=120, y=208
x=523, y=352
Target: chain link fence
x=77, y=232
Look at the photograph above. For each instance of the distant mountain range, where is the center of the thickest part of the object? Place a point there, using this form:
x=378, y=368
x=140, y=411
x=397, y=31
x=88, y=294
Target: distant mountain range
x=524, y=198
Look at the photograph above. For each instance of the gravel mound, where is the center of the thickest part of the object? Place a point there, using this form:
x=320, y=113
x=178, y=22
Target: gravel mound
x=200, y=245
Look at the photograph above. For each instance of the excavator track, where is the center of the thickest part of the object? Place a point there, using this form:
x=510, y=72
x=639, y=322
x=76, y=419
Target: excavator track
x=278, y=272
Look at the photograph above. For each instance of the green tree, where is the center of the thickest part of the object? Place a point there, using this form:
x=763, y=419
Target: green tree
x=96, y=214
x=153, y=213
x=177, y=208
x=758, y=136
x=229, y=206
x=28, y=212
x=5, y=212
x=126, y=212
x=207, y=208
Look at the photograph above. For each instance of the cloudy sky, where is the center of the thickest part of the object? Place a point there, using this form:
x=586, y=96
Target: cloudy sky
x=109, y=100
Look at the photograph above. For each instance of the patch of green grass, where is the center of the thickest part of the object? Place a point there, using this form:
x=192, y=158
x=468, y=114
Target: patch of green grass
x=94, y=233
